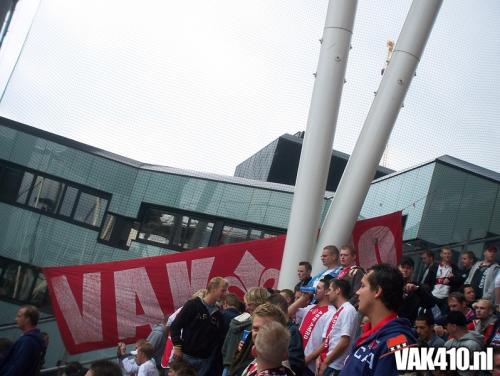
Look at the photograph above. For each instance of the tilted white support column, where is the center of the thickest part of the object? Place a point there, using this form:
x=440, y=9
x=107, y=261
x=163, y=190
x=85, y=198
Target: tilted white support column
x=317, y=146
x=369, y=148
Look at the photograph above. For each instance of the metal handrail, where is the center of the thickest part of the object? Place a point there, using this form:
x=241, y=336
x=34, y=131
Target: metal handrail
x=62, y=367
x=14, y=325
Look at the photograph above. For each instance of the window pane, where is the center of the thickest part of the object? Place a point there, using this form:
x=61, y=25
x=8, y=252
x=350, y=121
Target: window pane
x=255, y=234
x=39, y=296
x=90, y=209
x=157, y=226
x=195, y=233
x=267, y=235
x=46, y=194
x=68, y=202
x=8, y=282
x=39, y=293
x=24, y=189
x=9, y=184
x=118, y=231
x=232, y=234
x=24, y=282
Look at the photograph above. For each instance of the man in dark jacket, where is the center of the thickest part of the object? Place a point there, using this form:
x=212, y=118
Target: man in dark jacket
x=380, y=295
x=198, y=330
x=414, y=297
x=25, y=356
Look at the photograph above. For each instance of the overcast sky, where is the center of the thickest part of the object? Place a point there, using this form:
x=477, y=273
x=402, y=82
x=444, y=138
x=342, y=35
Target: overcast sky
x=203, y=85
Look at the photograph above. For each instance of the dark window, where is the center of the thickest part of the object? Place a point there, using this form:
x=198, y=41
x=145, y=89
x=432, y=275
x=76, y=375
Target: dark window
x=233, y=234
x=157, y=226
x=118, y=231
x=9, y=184
x=46, y=194
x=39, y=294
x=193, y=233
x=25, y=187
x=180, y=230
x=52, y=196
x=68, y=202
x=90, y=209
x=22, y=283
x=255, y=234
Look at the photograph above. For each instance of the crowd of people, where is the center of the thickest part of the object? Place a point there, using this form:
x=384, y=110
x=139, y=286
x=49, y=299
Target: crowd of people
x=342, y=321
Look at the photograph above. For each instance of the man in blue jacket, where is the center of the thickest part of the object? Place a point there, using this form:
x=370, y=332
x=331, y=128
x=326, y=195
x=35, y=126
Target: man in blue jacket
x=25, y=356
x=380, y=295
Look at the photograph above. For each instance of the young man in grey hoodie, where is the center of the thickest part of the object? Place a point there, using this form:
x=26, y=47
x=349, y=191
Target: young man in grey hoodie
x=482, y=275
x=456, y=325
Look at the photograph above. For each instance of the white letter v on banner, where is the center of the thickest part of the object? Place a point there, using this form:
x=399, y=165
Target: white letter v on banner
x=85, y=326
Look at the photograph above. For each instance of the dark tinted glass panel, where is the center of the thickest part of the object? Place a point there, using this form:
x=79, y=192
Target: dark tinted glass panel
x=157, y=226
x=24, y=189
x=24, y=283
x=46, y=194
x=194, y=233
x=9, y=184
x=231, y=234
x=8, y=282
x=68, y=201
x=17, y=281
x=39, y=296
x=90, y=209
x=118, y=231
x=255, y=234
x=268, y=235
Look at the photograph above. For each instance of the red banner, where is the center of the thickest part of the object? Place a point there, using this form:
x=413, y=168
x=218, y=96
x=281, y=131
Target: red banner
x=98, y=305
x=378, y=240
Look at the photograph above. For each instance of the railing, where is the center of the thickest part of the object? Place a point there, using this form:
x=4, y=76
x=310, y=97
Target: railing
x=84, y=363
x=14, y=326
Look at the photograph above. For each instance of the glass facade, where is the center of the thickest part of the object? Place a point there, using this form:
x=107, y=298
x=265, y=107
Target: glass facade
x=444, y=204
x=64, y=203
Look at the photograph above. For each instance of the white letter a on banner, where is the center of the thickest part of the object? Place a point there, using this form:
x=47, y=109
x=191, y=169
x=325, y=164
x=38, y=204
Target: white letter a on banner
x=130, y=285
x=84, y=325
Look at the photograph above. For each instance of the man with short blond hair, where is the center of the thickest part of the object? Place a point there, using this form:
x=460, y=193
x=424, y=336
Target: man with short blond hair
x=198, y=330
x=262, y=316
x=350, y=272
x=484, y=323
x=143, y=356
x=271, y=349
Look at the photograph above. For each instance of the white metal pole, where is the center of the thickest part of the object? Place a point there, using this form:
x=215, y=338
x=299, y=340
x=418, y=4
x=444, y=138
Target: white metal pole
x=377, y=128
x=317, y=146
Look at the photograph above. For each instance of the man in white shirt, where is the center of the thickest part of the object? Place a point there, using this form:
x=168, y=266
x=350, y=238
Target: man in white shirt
x=143, y=358
x=311, y=322
x=339, y=331
x=443, y=276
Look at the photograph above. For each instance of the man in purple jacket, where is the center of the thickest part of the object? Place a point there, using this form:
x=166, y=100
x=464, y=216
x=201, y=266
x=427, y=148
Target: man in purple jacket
x=380, y=295
x=25, y=356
